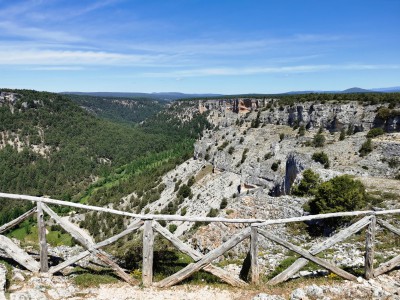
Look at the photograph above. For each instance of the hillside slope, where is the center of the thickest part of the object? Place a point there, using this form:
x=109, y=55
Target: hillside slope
x=122, y=110
x=51, y=146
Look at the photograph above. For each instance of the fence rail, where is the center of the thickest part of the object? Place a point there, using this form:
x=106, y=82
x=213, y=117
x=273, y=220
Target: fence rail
x=148, y=223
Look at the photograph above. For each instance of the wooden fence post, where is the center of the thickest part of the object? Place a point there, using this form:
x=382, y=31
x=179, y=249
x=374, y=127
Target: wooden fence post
x=148, y=242
x=253, y=255
x=44, y=261
x=369, y=249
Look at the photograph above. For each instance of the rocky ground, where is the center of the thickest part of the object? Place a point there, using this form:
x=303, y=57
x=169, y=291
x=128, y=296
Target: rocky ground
x=25, y=286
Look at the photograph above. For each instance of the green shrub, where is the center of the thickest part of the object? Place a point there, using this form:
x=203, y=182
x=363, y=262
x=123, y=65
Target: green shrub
x=342, y=134
x=183, y=211
x=341, y=193
x=230, y=150
x=375, y=132
x=322, y=158
x=191, y=181
x=281, y=137
x=184, y=191
x=244, y=155
x=224, y=203
x=383, y=113
x=350, y=129
x=172, y=228
x=223, y=146
x=366, y=148
x=275, y=166
x=308, y=184
x=268, y=155
x=302, y=130
x=319, y=140
x=212, y=213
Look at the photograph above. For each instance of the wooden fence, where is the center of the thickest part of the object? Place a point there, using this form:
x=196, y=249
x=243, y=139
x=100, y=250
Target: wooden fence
x=148, y=223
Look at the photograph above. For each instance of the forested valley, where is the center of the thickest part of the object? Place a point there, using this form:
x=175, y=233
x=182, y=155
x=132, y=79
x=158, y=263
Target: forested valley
x=53, y=147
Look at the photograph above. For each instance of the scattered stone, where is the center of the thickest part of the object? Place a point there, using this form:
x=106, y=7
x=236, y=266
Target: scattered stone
x=17, y=275
x=263, y=296
x=314, y=292
x=298, y=294
x=31, y=294
x=3, y=274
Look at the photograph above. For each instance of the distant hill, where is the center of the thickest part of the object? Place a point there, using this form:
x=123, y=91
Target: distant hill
x=356, y=90
x=353, y=90
x=165, y=96
x=394, y=89
x=119, y=109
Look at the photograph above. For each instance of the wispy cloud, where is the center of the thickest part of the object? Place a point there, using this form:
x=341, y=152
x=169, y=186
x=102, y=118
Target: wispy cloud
x=13, y=30
x=74, y=57
x=235, y=47
x=268, y=70
x=55, y=68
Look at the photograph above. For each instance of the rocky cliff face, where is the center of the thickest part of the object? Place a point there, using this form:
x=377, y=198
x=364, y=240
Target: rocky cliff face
x=255, y=167
x=332, y=116
x=274, y=153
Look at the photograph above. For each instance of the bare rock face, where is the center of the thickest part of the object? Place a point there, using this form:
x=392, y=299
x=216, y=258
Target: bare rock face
x=3, y=274
x=264, y=296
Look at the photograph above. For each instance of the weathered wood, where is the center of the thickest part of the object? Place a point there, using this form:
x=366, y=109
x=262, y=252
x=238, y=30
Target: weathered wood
x=388, y=226
x=131, y=228
x=148, y=242
x=19, y=255
x=369, y=249
x=127, y=214
x=255, y=275
x=394, y=262
x=308, y=256
x=195, y=255
x=74, y=231
x=44, y=260
x=69, y=262
x=207, y=259
x=18, y=220
x=337, y=238
x=387, y=266
x=257, y=222
x=69, y=227
x=181, y=246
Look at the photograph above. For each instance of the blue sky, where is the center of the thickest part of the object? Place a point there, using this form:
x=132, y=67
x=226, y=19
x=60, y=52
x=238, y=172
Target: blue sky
x=195, y=46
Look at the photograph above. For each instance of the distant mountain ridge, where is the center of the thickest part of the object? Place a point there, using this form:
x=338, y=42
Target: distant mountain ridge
x=351, y=90
x=166, y=96
x=170, y=96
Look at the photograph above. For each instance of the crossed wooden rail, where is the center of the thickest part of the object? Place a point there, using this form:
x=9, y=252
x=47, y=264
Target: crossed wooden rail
x=201, y=262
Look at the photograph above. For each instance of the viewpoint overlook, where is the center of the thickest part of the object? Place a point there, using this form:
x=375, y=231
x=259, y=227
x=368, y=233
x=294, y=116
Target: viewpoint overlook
x=219, y=190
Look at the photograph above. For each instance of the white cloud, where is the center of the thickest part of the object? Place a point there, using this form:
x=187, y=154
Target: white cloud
x=33, y=33
x=73, y=57
x=269, y=70
x=55, y=68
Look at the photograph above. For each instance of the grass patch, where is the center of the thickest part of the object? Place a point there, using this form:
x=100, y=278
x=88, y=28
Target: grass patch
x=9, y=272
x=286, y=263
x=93, y=280
x=27, y=233
x=203, y=172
